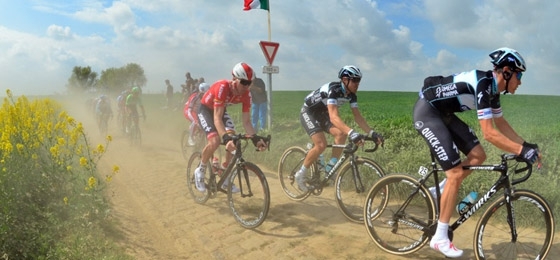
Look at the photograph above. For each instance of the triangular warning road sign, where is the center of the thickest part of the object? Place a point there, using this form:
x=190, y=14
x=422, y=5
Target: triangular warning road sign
x=269, y=49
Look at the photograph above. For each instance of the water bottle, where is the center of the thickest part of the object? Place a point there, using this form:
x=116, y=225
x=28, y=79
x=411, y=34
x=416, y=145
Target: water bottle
x=331, y=164
x=321, y=161
x=467, y=202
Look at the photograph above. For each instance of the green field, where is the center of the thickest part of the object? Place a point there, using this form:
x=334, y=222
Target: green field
x=535, y=118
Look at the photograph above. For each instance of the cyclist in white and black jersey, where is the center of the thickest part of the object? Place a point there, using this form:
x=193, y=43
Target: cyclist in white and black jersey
x=319, y=114
x=447, y=136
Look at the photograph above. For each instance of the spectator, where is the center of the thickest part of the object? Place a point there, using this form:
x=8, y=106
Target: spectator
x=169, y=93
x=259, y=104
x=189, y=82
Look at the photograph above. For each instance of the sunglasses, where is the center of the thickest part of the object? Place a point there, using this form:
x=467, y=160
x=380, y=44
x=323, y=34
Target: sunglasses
x=245, y=82
x=519, y=75
x=356, y=80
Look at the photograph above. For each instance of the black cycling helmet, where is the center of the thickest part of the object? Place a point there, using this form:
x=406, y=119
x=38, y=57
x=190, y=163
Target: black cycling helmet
x=507, y=57
x=350, y=71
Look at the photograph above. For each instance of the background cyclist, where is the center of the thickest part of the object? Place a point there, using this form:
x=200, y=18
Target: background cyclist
x=191, y=109
x=103, y=111
x=133, y=101
x=319, y=114
x=446, y=135
x=214, y=119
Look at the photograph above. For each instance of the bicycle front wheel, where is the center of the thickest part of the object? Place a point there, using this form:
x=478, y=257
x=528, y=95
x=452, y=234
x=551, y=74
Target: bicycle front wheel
x=534, y=228
x=251, y=204
x=185, y=144
x=351, y=191
x=398, y=212
x=290, y=162
x=199, y=197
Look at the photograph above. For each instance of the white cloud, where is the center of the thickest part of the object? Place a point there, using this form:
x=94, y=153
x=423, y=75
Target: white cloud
x=396, y=47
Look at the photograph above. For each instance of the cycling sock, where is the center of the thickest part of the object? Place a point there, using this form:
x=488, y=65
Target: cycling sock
x=441, y=231
x=303, y=169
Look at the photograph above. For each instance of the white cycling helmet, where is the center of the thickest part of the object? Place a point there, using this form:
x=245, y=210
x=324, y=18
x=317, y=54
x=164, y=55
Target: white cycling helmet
x=242, y=70
x=503, y=57
x=203, y=87
x=350, y=71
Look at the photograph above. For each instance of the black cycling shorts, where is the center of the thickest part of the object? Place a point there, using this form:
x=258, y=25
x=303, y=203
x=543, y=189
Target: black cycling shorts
x=445, y=134
x=206, y=121
x=314, y=121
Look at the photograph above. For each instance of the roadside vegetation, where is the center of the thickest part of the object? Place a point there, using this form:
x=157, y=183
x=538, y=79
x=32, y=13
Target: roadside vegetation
x=52, y=197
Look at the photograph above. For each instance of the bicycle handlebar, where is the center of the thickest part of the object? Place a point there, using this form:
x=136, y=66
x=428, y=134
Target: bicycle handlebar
x=528, y=167
x=352, y=147
x=237, y=137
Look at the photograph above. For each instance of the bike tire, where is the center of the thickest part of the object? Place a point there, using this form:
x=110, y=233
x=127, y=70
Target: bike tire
x=290, y=162
x=199, y=197
x=251, y=204
x=185, y=144
x=350, y=194
x=534, y=226
x=399, y=233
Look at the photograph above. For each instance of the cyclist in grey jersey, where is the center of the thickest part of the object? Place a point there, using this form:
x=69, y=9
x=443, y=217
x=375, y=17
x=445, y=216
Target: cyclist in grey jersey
x=447, y=135
x=319, y=114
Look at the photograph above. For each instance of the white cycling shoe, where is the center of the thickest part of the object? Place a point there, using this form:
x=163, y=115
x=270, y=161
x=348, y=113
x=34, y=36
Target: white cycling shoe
x=446, y=247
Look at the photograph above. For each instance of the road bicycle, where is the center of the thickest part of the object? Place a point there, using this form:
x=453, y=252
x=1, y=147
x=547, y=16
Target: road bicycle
x=354, y=176
x=103, y=123
x=251, y=204
x=199, y=138
x=133, y=130
x=401, y=213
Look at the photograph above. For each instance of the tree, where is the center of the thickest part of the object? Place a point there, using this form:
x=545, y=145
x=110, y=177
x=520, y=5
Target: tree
x=118, y=79
x=82, y=79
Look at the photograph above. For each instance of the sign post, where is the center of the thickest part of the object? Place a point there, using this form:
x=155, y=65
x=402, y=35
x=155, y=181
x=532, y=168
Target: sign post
x=269, y=50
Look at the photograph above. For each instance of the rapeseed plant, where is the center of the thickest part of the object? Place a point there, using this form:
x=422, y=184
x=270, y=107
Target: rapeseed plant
x=48, y=178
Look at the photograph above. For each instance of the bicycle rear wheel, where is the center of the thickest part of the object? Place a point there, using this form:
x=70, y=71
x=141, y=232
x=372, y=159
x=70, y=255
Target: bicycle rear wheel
x=350, y=194
x=290, y=162
x=395, y=217
x=251, y=204
x=534, y=227
x=199, y=197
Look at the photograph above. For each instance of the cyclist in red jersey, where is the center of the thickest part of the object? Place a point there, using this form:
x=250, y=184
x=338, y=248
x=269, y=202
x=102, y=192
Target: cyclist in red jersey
x=216, y=122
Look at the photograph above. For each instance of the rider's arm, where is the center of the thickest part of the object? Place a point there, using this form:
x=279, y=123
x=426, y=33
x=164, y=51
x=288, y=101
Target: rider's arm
x=496, y=138
x=336, y=120
x=218, y=123
x=359, y=119
x=249, y=130
x=506, y=129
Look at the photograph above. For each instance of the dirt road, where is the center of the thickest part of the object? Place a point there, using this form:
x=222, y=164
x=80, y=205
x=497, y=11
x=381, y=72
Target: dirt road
x=159, y=220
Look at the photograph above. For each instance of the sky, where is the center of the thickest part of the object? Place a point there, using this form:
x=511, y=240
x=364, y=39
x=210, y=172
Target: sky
x=396, y=44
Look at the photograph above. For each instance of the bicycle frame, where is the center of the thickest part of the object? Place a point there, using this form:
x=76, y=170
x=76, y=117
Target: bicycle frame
x=503, y=182
x=347, y=154
x=237, y=161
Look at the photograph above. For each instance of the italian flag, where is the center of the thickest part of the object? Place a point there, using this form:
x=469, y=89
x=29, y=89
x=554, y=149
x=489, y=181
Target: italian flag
x=255, y=4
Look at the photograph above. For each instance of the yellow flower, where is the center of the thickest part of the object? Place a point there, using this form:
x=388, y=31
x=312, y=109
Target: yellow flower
x=69, y=168
x=65, y=200
x=109, y=138
x=116, y=169
x=100, y=148
x=83, y=161
x=91, y=182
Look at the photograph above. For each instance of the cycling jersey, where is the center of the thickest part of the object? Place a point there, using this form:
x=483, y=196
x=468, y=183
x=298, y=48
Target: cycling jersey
x=472, y=90
x=220, y=94
x=440, y=98
x=332, y=93
x=314, y=115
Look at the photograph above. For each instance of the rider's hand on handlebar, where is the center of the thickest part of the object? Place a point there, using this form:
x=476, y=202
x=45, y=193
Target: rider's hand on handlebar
x=529, y=154
x=259, y=142
x=378, y=138
x=355, y=137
